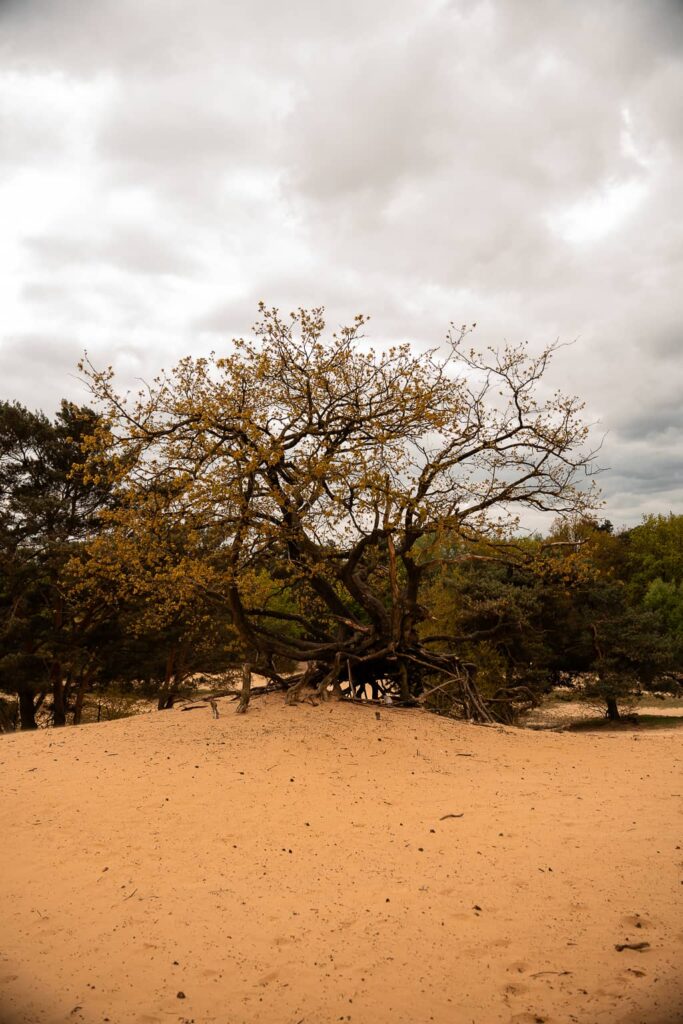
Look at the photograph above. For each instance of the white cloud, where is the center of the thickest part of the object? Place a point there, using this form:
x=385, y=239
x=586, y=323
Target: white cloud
x=599, y=214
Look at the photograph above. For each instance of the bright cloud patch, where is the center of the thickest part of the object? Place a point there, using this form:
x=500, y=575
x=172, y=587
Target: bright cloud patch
x=594, y=218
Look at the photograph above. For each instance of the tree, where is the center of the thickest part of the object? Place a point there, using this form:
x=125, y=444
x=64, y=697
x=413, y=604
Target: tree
x=46, y=510
x=495, y=605
x=630, y=647
x=666, y=600
x=597, y=628
x=654, y=551
x=333, y=471
x=166, y=628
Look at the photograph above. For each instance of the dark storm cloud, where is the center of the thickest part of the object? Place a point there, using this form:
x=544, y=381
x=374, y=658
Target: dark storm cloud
x=516, y=164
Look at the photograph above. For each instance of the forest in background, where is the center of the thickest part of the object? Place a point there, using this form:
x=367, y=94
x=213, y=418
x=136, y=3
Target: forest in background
x=282, y=508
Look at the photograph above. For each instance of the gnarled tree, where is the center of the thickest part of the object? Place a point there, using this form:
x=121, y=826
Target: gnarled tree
x=328, y=474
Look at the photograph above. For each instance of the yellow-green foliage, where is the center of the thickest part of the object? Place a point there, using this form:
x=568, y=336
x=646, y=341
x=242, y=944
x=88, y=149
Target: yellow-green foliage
x=314, y=478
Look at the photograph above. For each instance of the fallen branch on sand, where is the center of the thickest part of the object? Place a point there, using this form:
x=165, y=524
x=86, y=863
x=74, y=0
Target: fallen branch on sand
x=210, y=699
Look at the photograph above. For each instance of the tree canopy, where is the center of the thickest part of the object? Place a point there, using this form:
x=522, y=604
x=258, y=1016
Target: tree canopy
x=324, y=476
x=46, y=508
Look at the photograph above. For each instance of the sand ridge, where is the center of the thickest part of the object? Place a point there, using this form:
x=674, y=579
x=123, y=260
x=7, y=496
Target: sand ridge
x=304, y=865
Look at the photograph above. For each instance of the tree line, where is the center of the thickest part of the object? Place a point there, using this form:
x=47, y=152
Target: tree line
x=343, y=520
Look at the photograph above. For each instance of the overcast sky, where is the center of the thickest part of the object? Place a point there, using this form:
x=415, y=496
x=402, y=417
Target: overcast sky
x=164, y=165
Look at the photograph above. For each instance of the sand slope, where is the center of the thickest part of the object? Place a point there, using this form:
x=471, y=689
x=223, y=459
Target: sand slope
x=296, y=865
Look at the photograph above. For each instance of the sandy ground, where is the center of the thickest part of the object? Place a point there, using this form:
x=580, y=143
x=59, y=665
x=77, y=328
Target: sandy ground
x=314, y=864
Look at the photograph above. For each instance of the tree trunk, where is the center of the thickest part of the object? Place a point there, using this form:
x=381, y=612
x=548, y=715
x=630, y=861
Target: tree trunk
x=58, y=702
x=404, y=682
x=332, y=679
x=80, y=696
x=9, y=715
x=612, y=709
x=292, y=695
x=167, y=693
x=246, y=689
x=27, y=711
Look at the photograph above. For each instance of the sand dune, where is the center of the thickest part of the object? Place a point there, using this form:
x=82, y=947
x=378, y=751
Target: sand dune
x=307, y=865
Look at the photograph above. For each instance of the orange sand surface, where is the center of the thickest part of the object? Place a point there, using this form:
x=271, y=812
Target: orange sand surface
x=303, y=865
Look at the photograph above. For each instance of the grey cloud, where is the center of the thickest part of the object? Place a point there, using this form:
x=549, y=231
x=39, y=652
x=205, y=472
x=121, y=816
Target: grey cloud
x=228, y=319
x=648, y=475
x=409, y=160
x=662, y=423
x=170, y=35
x=182, y=122
x=30, y=364
x=134, y=249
